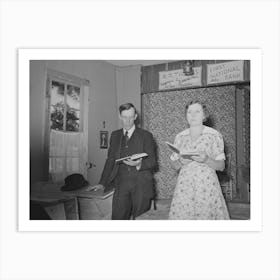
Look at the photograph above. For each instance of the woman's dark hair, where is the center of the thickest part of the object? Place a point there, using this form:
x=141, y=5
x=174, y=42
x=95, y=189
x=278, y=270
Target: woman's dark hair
x=126, y=106
x=204, y=108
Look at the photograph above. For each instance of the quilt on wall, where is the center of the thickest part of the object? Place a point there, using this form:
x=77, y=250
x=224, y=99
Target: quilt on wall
x=164, y=116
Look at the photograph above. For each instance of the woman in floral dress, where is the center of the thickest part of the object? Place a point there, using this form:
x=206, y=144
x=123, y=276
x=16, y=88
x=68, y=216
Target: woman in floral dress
x=198, y=194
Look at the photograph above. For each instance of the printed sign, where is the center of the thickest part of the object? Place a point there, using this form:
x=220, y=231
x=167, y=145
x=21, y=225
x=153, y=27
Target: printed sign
x=177, y=79
x=225, y=72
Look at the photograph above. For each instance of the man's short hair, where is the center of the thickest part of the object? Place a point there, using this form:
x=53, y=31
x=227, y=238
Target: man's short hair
x=126, y=106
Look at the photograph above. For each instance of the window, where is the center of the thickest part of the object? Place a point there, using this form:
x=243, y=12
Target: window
x=64, y=106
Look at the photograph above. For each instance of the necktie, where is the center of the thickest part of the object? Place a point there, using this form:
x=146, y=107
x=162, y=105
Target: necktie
x=126, y=138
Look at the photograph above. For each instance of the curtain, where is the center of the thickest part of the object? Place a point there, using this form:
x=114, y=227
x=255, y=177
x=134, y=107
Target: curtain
x=66, y=154
x=164, y=116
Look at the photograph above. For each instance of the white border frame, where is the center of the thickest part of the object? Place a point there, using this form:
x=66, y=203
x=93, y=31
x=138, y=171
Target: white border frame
x=254, y=55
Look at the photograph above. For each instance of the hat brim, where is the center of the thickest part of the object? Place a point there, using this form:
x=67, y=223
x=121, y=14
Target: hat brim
x=74, y=188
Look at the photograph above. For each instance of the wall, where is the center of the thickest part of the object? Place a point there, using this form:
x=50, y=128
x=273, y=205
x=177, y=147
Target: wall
x=164, y=116
x=243, y=143
x=102, y=107
x=164, y=122
x=128, y=84
x=37, y=106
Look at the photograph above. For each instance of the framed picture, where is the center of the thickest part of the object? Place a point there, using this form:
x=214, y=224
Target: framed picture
x=223, y=67
x=233, y=249
x=104, y=139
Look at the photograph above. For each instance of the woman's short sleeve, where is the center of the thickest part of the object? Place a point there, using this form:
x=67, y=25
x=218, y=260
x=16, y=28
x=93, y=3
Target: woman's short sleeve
x=218, y=147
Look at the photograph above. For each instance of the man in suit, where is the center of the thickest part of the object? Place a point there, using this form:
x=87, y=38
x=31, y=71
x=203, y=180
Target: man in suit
x=131, y=179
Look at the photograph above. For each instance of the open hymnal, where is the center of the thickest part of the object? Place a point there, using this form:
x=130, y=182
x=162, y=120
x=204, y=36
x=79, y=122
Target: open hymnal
x=185, y=155
x=133, y=157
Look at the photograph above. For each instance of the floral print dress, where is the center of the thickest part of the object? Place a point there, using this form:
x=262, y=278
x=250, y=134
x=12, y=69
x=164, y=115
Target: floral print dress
x=198, y=194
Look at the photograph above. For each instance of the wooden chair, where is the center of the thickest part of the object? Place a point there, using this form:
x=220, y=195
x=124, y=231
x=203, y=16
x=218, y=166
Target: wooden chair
x=225, y=178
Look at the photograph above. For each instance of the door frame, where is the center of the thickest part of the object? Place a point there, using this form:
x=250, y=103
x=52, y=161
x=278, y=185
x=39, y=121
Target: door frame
x=84, y=102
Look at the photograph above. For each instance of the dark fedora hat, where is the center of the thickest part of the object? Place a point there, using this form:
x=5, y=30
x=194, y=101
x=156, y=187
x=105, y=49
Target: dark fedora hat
x=74, y=182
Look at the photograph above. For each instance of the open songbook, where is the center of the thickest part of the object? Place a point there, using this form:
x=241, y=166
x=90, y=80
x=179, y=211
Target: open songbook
x=185, y=155
x=133, y=157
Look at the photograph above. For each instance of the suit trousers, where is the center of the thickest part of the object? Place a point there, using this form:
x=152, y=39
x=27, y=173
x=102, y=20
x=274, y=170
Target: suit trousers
x=128, y=198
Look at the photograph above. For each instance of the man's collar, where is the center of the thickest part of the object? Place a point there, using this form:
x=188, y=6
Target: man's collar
x=130, y=131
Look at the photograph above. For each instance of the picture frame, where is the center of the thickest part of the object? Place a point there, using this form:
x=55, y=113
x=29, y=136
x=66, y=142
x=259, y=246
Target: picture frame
x=211, y=254
x=254, y=55
x=103, y=139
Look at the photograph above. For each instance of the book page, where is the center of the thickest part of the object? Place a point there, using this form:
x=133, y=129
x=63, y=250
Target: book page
x=172, y=148
x=133, y=157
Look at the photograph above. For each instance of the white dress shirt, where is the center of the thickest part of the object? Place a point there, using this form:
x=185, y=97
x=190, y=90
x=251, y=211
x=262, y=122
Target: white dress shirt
x=130, y=131
x=129, y=134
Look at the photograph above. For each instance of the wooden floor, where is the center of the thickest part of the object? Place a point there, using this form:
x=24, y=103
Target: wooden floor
x=89, y=210
x=161, y=212
x=237, y=211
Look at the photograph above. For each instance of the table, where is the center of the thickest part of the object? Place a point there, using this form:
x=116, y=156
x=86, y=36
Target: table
x=72, y=205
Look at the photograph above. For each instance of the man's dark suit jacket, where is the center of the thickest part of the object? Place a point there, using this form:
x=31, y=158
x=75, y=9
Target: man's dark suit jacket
x=144, y=143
